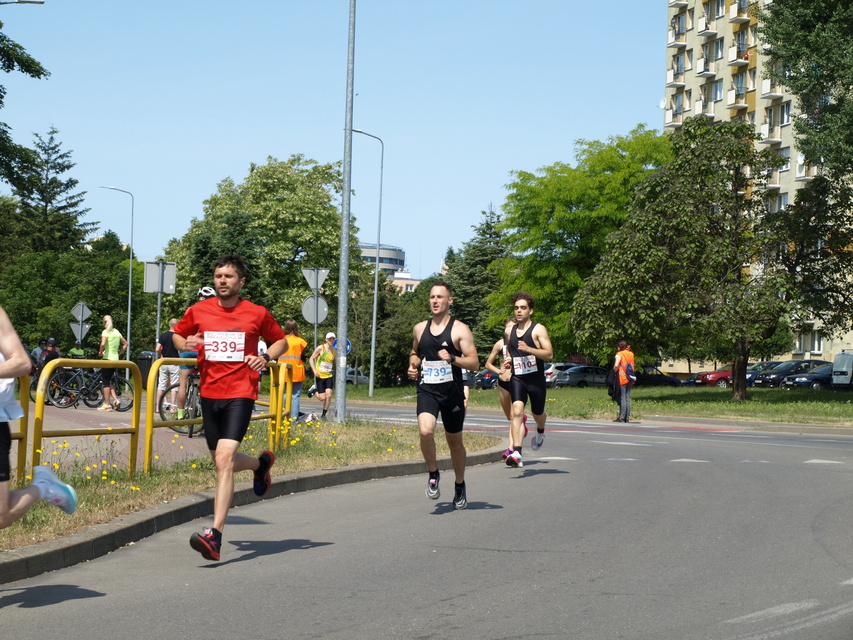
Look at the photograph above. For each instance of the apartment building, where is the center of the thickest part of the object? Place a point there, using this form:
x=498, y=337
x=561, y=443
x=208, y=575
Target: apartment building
x=715, y=69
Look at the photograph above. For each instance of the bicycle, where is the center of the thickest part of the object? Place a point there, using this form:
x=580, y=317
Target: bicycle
x=169, y=411
x=66, y=387
x=52, y=388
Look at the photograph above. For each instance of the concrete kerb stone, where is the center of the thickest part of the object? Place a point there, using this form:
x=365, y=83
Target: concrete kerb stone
x=102, y=539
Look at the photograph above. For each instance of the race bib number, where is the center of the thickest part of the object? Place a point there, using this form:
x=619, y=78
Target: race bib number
x=326, y=366
x=436, y=371
x=224, y=346
x=522, y=365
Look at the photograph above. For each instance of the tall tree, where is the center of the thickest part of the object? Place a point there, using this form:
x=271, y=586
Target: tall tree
x=702, y=261
x=471, y=273
x=15, y=160
x=49, y=209
x=556, y=222
x=808, y=44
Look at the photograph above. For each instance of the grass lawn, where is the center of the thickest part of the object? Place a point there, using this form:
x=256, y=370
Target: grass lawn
x=770, y=405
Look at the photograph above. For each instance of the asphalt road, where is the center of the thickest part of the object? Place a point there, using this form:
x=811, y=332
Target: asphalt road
x=659, y=530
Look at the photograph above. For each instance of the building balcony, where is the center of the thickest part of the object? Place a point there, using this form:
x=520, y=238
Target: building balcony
x=677, y=4
x=805, y=172
x=706, y=68
x=738, y=57
x=738, y=12
x=770, y=134
x=676, y=39
x=672, y=119
x=674, y=79
x=772, y=176
x=770, y=90
x=702, y=108
x=736, y=100
x=706, y=27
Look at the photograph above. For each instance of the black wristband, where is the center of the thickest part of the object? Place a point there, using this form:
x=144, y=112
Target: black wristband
x=452, y=358
x=265, y=356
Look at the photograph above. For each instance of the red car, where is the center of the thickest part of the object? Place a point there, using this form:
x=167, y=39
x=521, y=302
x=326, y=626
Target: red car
x=720, y=378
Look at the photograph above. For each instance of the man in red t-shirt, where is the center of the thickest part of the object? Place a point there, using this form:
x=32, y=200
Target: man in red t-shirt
x=225, y=332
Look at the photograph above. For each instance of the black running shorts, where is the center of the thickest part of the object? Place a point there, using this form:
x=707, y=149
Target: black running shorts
x=5, y=449
x=451, y=408
x=226, y=419
x=324, y=384
x=520, y=389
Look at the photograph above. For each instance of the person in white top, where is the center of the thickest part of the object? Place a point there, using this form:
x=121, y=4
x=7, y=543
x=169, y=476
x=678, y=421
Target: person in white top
x=15, y=362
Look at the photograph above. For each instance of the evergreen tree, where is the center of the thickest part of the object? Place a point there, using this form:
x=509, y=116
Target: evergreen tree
x=50, y=212
x=472, y=275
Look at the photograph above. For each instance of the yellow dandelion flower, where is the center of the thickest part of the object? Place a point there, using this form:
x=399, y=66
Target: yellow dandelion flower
x=88, y=468
x=77, y=454
x=156, y=457
x=109, y=428
x=104, y=462
x=115, y=466
x=135, y=489
x=181, y=447
x=56, y=453
x=389, y=449
x=88, y=477
x=55, y=466
x=97, y=438
x=39, y=450
x=194, y=465
x=112, y=482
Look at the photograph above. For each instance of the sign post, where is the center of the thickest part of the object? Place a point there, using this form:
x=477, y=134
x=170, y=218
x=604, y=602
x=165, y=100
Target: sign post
x=159, y=279
x=80, y=313
x=315, y=278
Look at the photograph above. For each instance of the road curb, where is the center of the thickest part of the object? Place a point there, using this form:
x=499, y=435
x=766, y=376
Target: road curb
x=102, y=539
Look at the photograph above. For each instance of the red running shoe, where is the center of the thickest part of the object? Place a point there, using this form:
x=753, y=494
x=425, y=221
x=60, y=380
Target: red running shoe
x=205, y=544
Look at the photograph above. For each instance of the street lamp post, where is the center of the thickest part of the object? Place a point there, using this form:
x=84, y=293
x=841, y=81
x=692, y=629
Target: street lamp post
x=23, y=2
x=376, y=266
x=130, y=270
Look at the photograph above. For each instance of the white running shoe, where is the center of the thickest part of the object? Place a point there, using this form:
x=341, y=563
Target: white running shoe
x=53, y=490
x=433, y=492
x=514, y=460
x=537, y=441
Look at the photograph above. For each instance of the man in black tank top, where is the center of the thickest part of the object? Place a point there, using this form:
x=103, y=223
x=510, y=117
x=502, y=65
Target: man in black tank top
x=529, y=347
x=441, y=348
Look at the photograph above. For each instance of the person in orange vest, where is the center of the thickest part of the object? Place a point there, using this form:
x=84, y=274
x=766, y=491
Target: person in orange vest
x=624, y=366
x=293, y=356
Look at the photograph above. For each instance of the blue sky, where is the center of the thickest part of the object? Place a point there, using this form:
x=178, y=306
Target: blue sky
x=167, y=98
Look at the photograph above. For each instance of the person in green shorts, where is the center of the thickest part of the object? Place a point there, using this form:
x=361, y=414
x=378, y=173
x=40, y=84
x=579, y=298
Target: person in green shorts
x=112, y=346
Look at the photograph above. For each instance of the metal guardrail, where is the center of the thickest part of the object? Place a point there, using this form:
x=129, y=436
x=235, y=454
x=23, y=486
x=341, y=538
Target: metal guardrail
x=38, y=421
x=278, y=425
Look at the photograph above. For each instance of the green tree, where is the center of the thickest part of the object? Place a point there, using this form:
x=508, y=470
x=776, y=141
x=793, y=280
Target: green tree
x=808, y=45
x=556, y=223
x=15, y=160
x=49, y=210
x=702, y=261
x=281, y=218
x=473, y=277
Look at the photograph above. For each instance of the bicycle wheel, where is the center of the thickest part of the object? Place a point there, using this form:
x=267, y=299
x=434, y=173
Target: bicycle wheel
x=123, y=391
x=34, y=383
x=63, y=389
x=93, y=395
x=194, y=409
x=165, y=407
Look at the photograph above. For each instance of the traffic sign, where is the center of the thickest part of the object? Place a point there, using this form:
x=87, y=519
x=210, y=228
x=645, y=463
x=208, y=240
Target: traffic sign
x=349, y=346
x=315, y=278
x=315, y=309
x=79, y=329
x=81, y=312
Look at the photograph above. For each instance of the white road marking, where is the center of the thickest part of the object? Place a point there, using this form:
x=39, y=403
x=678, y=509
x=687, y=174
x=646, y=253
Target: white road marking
x=822, y=462
x=775, y=612
x=555, y=458
x=620, y=460
x=687, y=460
x=624, y=444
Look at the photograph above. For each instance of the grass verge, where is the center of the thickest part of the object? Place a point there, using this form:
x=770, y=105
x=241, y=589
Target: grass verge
x=105, y=491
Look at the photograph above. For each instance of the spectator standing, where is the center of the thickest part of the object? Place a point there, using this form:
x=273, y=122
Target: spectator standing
x=169, y=373
x=112, y=347
x=293, y=356
x=624, y=357
x=77, y=351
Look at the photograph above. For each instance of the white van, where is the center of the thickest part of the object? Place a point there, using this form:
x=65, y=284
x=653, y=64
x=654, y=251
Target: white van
x=842, y=369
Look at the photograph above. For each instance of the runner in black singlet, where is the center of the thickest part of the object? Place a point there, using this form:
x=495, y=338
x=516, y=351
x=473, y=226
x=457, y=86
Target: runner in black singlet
x=529, y=347
x=441, y=348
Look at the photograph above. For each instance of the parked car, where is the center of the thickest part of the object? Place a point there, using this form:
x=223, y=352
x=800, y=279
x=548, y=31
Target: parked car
x=553, y=368
x=754, y=369
x=486, y=379
x=719, y=378
x=582, y=376
x=817, y=379
x=351, y=377
x=649, y=376
x=690, y=381
x=770, y=378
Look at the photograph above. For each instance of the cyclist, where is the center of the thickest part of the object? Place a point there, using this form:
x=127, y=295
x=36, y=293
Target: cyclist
x=187, y=369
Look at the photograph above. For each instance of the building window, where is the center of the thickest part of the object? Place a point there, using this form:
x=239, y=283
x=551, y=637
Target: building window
x=785, y=113
x=739, y=81
x=782, y=202
x=719, y=8
x=786, y=156
x=801, y=342
x=817, y=342
x=718, y=49
x=717, y=92
x=410, y=287
x=751, y=77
